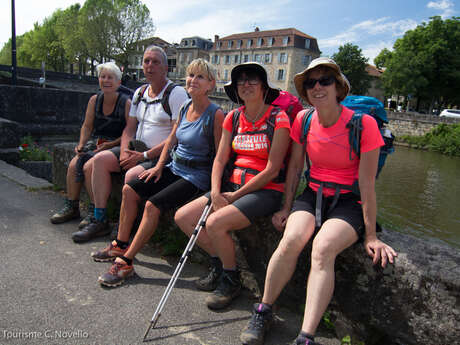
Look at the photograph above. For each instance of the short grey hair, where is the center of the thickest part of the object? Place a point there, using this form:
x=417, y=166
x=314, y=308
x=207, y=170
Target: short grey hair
x=111, y=67
x=159, y=50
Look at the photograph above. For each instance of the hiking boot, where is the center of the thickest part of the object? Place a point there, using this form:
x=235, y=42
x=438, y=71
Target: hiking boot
x=68, y=212
x=262, y=317
x=228, y=288
x=209, y=282
x=116, y=274
x=93, y=230
x=85, y=221
x=109, y=253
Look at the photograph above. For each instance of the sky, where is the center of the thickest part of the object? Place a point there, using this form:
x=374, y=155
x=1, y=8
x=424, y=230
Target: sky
x=370, y=24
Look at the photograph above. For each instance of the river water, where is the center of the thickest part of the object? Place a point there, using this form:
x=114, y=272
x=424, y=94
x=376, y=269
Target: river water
x=418, y=193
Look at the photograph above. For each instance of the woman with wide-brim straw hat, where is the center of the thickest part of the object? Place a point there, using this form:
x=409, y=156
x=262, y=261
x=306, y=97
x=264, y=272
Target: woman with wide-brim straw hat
x=335, y=217
x=252, y=189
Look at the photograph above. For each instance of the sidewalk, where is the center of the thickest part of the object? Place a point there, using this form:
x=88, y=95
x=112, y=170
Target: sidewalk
x=50, y=293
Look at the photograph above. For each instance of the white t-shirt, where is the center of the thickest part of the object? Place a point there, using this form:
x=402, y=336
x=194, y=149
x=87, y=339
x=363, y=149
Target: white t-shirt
x=154, y=124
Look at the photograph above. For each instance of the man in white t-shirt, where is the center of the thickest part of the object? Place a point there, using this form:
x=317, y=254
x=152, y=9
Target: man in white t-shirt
x=153, y=123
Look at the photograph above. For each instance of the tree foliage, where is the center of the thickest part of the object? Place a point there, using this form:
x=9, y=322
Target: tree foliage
x=383, y=58
x=99, y=31
x=425, y=63
x=353, y=64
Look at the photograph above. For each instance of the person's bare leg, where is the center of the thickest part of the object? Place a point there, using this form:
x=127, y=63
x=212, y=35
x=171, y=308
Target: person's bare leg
x=105, y=163
x=73, y=187
x=299, y=229
x=334, y=236
x=128, y=212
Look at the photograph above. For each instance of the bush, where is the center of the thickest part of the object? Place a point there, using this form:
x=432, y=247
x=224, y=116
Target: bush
x=443, y=138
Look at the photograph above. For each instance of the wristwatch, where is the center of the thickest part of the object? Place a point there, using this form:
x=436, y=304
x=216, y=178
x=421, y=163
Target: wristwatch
x=145, y=155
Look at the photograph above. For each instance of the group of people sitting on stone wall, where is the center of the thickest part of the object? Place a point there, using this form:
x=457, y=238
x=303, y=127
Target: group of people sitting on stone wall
x=181, y=152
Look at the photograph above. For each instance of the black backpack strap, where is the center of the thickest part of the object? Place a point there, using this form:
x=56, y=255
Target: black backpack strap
x=165, y=99
x=140, y=94
x=305, y=128
x=208, y=129
x=355, y=127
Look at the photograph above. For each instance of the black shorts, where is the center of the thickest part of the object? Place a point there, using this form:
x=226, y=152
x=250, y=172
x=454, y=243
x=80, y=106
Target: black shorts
x=260, y=203
x=170, y=192
x=348, y=208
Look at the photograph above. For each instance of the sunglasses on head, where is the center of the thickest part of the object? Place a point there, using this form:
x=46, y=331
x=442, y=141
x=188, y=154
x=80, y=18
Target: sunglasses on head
x=323, y=81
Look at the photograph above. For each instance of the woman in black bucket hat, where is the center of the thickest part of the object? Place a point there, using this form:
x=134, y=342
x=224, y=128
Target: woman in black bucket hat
x=255, y=139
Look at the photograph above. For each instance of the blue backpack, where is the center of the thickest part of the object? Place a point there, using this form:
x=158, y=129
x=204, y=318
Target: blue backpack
x=361, y=105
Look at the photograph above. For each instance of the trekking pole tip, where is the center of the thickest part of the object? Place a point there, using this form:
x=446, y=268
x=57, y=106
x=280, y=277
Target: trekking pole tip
x=148, y=330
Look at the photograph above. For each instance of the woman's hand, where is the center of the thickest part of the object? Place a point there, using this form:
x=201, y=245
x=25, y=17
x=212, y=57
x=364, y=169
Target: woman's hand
x=154, y=173
x=378, y=250
x=78, y=150
x=103, y=146
x=218, y=201
x=279, y=219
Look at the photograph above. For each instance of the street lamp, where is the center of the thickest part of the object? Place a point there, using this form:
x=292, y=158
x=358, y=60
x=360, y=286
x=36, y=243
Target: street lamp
x=13, y=45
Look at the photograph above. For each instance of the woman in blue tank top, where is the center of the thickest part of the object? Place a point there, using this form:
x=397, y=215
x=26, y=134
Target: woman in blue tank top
x=169, y=185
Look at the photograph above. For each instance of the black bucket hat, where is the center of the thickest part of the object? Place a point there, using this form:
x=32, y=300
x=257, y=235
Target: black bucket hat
x=231, y=87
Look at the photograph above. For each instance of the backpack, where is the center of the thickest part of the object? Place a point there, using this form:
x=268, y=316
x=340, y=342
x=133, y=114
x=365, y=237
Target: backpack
x=373, y=107
x=126, y=91
x=208, y=130
x=289, y=103
x=164, y=100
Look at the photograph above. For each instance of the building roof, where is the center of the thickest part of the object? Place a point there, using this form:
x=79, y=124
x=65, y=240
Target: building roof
x=267, y=33
x=373, y=71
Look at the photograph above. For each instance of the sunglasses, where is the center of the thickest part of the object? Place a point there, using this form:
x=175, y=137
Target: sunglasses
x=323, y=81
x=251, y=81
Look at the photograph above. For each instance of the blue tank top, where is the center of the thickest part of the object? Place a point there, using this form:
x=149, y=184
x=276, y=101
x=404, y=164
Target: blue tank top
x=194, y=144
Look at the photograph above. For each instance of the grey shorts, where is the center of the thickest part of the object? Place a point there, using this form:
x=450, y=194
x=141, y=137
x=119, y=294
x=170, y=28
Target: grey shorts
x=260, y=203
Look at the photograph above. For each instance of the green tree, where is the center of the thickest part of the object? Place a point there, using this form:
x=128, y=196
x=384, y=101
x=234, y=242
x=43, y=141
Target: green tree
x=353, y=65
x=425, y=63
x=383, y=58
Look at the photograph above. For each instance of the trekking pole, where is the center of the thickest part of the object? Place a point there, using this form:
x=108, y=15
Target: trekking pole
x=179, y=267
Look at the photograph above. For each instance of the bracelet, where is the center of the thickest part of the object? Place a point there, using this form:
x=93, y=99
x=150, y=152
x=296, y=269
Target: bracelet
x=145, y=155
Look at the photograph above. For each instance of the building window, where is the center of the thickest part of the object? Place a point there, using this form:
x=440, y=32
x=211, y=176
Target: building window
x=270, y=41
x=193, y=43
x=245, y=58
x=306, y=59
x=282, y=58
x=249, y=43
x=268, y=58
x=215, y=59
x=239, y=43
x=185, y=43
x=218, y=45
x=280, y=74
x=307, y=43
x=227, y=59
x=285, y=40
x=189, y=57
x=260, y=41
x=258, y=58
x=181, y=57
x=229, y=44
x=236, y=59
x=226, y=74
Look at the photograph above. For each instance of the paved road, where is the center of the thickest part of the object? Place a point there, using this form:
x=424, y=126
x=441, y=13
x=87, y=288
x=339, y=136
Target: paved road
x=50, y=295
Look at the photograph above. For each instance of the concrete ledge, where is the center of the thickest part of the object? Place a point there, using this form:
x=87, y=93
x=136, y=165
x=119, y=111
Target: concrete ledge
x=415, y=301
x=21, y=177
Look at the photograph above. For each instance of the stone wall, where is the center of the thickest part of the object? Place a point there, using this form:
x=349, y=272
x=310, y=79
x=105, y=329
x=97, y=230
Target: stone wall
x=414, y=301
x=414, y=124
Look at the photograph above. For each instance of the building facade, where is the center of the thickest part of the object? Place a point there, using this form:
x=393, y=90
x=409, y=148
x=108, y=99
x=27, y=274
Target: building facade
x=135, y=60
x=283, y=52
x=191, y=48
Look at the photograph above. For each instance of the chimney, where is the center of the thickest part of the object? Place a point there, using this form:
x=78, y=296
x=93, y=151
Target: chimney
x=257, y=29
x=216, y=38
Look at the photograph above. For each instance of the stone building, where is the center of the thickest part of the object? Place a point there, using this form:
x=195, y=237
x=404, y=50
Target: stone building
x=376, y=89
x=283, y=52
x=190, y=48
x=135, y=60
